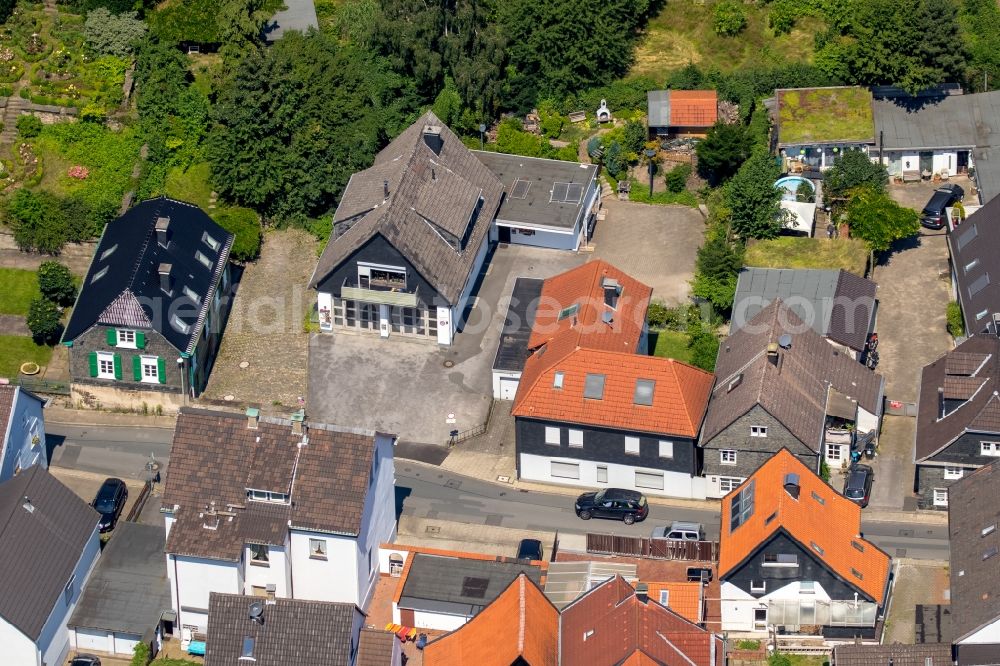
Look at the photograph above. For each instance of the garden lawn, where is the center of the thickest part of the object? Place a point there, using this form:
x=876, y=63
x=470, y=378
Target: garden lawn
x=17, y=289
x=193, y=186
x=825, y=115
x=17, y=349
x=671, y=344
x=683, y=33
x=849, y=254
x=640, y=194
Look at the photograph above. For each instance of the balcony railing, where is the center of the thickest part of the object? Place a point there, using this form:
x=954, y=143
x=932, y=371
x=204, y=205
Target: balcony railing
x=377, y=293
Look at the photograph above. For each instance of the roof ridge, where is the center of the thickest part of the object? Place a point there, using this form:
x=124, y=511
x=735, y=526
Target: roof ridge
x=141, y=254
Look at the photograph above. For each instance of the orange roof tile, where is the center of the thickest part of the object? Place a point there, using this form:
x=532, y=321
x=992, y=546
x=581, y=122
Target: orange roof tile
x=640, y=658
x=693, y=108
x=683, y=598
x=680, y=393
x=832, y=525
x=521, y=623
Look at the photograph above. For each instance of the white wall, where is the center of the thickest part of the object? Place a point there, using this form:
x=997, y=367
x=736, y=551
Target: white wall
x=569, y=239
x=446, y=333
x=440, y=621
x=332, y=579
x=866, y=421
x=276, y=573
x=793, y=590
x=988, y=634
x=91, y=639
x=675, y=484
x=15, y=647
x=192, y=579
x=503, y=374
x=54, y=639
x=737, y=608
x=16, y=450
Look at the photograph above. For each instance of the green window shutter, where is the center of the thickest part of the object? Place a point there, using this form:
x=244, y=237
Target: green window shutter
x=112, y=337
x=140, y=340
x=118, y=366
x=137, y=368
x=161, y=370
x=92, y=359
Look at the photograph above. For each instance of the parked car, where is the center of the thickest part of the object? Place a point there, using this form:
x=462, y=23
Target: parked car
x=625, y=505
x=529, y=549
x=109, y=502
x=85, y=660
x=858, y=484
x=679, y=531
x=932, y=216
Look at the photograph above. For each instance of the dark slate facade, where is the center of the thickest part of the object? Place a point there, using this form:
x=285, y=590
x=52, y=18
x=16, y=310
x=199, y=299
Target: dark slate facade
x=605, y=445
x=965, y=453
x=752, y=452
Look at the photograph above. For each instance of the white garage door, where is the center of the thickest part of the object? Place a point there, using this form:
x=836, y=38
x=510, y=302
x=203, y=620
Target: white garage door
x=125, y=643
x=92, y=639
x=508, y=388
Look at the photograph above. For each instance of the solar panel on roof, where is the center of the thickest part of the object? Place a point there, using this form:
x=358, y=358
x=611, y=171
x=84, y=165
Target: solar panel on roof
x=574, y=193
x=520, y=189
x=559, y=192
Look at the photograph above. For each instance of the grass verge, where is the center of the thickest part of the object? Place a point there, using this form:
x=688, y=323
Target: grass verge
x=670, y=344
x=17, y=349
x=849, y=254
x=17, y=289
x=640, y=194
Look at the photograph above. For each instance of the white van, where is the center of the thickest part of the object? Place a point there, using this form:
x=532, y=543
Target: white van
x=680, y=531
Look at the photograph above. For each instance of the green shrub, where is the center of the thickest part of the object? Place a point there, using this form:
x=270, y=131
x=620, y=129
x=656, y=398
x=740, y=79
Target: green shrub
x=56, y=283
x=614, y=159
x=660, y=316
x=43, y=321
x=728, y=19
x=824, y=471
x=956, y=324
x=677, y=177
x=782, y=17
x=29, y=126
x=245, y=226
x=140, y=654
x=779, y=659
x=747, y=645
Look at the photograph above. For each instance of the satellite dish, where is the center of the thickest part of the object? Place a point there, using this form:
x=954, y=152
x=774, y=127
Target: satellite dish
x=257, y=612
x=785, y=341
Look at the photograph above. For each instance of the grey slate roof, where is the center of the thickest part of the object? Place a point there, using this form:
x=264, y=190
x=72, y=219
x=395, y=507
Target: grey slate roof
x=512, y=348
x=975, y=563
x=795, y=391
x=897, y=654
x=376, y=647
x=458, y=585
x=122, y=286
x=836, y=304
x=948, y=121
x=537, y=206
x=293, y=632
x=429, y=194
x=658, y=108
x=297, y=15
x=969, y=373
x=974, y=247
x=128, y=588
x=39, y=549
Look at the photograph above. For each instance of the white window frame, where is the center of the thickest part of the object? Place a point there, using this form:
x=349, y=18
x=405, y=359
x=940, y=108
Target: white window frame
x=940, y=496
x=758, y=589
x=553, y=466
x=758, y=431
x=760, y=625
x=68, y=591
x=830, y=452
x=989, y=448
x=317, y=549
x=657, y=484
x=633, y=445
x=102, y=358
x=664, y=597
x=807, y=587
x=727, y=456
x=953, y=473
x=125, y=338
x=552, y=435
x=733, y=482
x=256, y=561
x=147, y=363
x=600, y=469
x=575, y=438
x=666, y=448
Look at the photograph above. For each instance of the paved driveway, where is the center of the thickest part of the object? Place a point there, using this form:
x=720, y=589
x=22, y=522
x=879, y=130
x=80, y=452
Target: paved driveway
x=402, y=385
x=654, y=244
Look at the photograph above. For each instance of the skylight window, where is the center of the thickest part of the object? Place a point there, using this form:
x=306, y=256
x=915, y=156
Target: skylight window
x=990, y=553
x=203, y=259
x=816, y=547
x=989, y=529
x=644, y=391
x=211, y=242
x=99, y=274
x=557, y=381
x=979, y=284
x=593, y=387
x=179, y=325
x=189, y=292
x=741, y=508
x=107, y=253
x=817, y=497
x=248, y=646
x=569, y=311
x=972, y=264
x=857, y=574
x=967, y=237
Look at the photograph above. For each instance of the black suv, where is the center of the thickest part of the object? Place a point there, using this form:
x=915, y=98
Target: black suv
x=932, y=216
x=109, y=502
x=625, y=505
x=858, y=484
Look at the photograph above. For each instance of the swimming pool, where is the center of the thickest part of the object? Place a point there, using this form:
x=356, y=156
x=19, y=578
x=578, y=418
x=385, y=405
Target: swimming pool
x=791, y=184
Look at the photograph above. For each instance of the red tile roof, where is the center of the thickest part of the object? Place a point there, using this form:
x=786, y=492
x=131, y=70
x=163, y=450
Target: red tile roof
x=827, y=527
x=683, y=598
x=521, y=623
x=693, y=108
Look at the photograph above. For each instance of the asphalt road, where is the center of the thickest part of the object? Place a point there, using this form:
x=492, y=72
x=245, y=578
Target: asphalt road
x=428, y=492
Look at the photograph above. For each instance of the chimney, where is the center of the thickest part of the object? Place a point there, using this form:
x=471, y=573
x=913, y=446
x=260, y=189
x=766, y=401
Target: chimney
x=297, y=420
x=385, y=189
x=432, y=137
x=253, y=418
x=162, y=224
x=772, y=353
x=28, y=506
x=611, y=292
x=792, y=485
x=165, y=285
x=642, y=592
x=941, y=403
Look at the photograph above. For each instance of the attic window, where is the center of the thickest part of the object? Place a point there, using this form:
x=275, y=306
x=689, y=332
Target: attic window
x=979, y=284
x=816, y=497
x=644, y=391
x=972, y=264
x=211, y=242
x=967, y=237
x=557, y=381
x=569, y=312
x=474, y=588
x=857, y=574
x=980, y=315
x=248, y=645
x=741, y=507
x=858, y=546
x=664, y=597
x=107, y=253
x=178, y=324
x=734, y=382
x=770, y=519
x=990, y=553
x=189, y=292
x=815, y=546
x=593, y=387
x=203, y=259
x=989, y=529
x=99, y=274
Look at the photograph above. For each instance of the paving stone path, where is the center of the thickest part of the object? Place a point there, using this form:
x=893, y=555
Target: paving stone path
x=13, y=325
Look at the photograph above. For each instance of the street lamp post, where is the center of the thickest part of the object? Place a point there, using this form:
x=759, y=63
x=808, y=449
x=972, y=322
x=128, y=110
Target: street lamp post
x=650, y=154
x=180, y=365
x=482, y=140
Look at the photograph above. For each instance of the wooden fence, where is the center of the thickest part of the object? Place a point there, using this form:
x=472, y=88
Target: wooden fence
x=661, y=549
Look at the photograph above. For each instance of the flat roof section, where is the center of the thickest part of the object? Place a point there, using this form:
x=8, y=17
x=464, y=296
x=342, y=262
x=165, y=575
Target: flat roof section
x=540, y=192
x=512, y=349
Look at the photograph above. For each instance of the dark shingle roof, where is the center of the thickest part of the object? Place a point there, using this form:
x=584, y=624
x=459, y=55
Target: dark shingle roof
x=9, y=395
x=293, y=632
x=39, y=549
x=836, y=304
x=512, y=348
x=128, y=589
x=974, y=530
x=376, y=647
x=122, y=286
x=795, y=390
x=974, y=246
x=970, y=372
x=429, y=193
x=897, y=654
x=215, y=457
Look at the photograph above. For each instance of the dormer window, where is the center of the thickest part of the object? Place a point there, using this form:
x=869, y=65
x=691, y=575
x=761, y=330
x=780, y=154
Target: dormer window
x=267, y=496
x=211, y=242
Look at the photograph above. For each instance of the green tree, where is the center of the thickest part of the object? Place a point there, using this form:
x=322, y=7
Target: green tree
x=614, y=160
x=728, y=18
x=717, y=265
x=6, y=9
x=113, y=34
x=722, y=152
x=677, y=177
x=981, y=22
x=56, y=283
x=878, y=220
x=782, y=17
x=704, y=347
x=753, y=200
x=29, y=125
x=245, y=226
x=43, y=321
x=241, y=24
x=851, y=170
x=634, y=137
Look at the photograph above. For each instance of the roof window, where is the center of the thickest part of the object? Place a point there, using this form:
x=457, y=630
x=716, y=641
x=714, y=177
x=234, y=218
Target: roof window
x=178, y=324
x=203, y=259
x=734, y=382
x=990, y=553
x=741, y=507
x=979, y=284
x=989, y=529
x=967, y=237
x=817, y=497
x=557, y=381
x=593, y=387
x=815, y=546
x=972, y=264
x=857, y=574
x=99, y=274
x=107, y=253
x=189, y=292
x=569, y=311
x=248, y=645
x=644, y=391
x=211, y=242
x=858, y=546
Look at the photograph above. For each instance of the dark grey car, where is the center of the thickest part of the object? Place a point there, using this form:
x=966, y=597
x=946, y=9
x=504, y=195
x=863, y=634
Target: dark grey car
x=858, y=484
x=933, y=215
